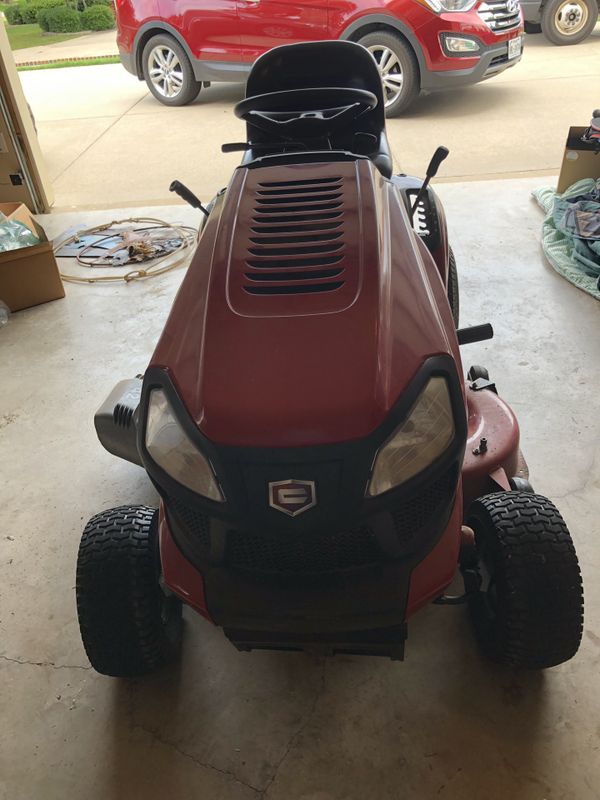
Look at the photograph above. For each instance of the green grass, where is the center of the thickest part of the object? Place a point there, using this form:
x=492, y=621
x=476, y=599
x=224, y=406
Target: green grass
x=21, y=36
x=86, y=62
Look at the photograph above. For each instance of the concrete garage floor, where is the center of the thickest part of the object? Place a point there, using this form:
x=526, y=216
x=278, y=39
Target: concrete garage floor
x=231, y=726
x=109, y=143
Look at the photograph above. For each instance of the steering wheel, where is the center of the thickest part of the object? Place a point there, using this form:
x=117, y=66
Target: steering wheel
x=305, y=113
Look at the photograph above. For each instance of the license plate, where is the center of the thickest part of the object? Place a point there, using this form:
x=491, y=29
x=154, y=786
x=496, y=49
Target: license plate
x=514, y=48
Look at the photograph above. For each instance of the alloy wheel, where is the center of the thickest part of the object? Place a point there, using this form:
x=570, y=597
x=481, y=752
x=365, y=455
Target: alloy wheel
x=165, y=71
x=571, y=17
x=390, y=70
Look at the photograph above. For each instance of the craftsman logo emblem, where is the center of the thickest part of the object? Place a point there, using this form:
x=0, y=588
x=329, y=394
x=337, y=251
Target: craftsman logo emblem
x=512, y=6
x=292, y=497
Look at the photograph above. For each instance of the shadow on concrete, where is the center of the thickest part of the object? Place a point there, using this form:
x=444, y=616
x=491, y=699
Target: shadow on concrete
x=471, y=101
x=221, y=93
x=247, y=719
x=141, y=762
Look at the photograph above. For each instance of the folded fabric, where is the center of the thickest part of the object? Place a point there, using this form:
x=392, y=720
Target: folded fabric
x=571, y=232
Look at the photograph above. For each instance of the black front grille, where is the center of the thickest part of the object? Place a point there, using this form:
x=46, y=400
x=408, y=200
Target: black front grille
x=283, y=552
x=423, y=508
x=288, y=552
x=192, y=524
x=498, y=61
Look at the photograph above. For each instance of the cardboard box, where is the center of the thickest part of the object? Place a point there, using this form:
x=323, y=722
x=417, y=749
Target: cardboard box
x=580, y=160
x=28, y=276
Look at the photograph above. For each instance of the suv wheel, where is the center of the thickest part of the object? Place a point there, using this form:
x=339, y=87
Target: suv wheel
x=398, y=69
x=569, y=21
x=168, y=72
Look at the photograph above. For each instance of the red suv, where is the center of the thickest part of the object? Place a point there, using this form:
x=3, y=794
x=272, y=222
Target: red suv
x=179, y=46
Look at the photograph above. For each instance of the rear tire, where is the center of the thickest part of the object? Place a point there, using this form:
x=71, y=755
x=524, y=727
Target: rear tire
x=128, y=625
x=569, y=21
x=529, y=610
x=168, y=71
x=476, y=371
x=398, y=68
x=453, y=293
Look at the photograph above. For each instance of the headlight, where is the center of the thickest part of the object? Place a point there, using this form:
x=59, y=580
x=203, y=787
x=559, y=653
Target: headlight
x=423, y=436
x=448, y=5
x=458, y=44
x=171, y=449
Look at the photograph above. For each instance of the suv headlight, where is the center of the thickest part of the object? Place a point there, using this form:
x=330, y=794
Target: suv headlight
x=423, y=436
x=169, y=446
x=440, y=6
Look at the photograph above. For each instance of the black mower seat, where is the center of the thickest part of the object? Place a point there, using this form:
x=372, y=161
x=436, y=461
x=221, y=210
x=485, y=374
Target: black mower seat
x=319, y=65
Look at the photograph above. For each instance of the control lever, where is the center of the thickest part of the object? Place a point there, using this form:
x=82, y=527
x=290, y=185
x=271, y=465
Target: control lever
x=187, y=195
x=237, y=147
x=440, y=154
x=476, y=333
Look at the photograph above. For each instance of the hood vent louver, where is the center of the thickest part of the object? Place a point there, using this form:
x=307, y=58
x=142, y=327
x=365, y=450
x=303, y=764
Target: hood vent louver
x=297, y=238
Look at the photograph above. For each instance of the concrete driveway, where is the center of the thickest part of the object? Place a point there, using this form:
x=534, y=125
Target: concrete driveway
x=109, y=143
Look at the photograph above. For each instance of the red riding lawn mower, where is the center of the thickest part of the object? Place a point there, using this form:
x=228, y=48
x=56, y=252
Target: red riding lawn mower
x=323, y=467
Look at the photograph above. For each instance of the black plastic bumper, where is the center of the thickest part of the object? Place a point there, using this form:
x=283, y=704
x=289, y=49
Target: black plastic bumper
x=381, y=642
x=128, y=62
x=492, y=61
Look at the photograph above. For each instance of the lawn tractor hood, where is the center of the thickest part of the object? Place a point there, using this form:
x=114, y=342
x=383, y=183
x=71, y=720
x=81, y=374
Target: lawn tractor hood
x=306, y=311
x=305, y=317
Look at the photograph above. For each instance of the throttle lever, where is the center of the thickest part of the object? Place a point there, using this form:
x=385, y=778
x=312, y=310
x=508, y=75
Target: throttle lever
x=187, y=195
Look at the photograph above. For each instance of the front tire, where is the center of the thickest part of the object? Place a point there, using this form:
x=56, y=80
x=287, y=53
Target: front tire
x=529, y=609
x=398, y=69
x=128, y=625
x=168, y=71
x=453, y=292
x=569, y=21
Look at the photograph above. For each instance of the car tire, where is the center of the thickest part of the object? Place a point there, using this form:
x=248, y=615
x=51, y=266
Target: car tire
x=175, y=84
x=453, y=292
x=400, y=70
x=528, y=611
x=569, y=21
x=532, y=27
x=128, y=625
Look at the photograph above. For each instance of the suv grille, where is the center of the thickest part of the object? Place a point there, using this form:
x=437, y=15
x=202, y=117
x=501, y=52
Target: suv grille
x=498, y=17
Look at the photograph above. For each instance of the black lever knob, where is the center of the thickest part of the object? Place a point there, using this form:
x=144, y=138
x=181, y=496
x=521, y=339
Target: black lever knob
x=440, y=154
x=187, y=195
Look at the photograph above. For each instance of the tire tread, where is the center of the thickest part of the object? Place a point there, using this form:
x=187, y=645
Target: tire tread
x=541, y=622
x=118, y=599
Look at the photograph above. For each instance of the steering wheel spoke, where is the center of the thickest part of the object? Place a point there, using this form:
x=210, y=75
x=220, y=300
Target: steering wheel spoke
x=297, y=114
